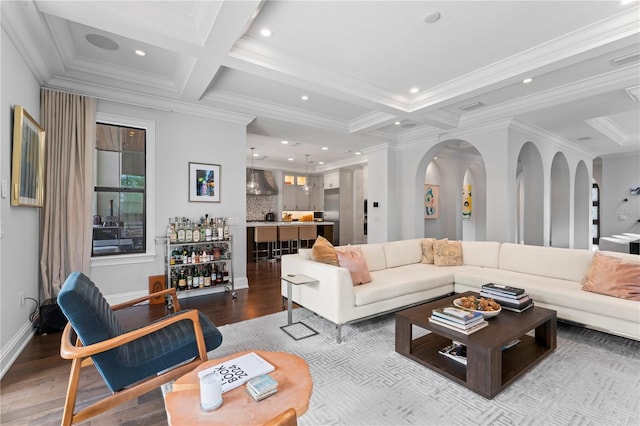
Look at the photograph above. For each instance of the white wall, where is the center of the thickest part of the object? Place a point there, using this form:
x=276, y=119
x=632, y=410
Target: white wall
x=181, y=139
x=19, y=243
x=618, y=175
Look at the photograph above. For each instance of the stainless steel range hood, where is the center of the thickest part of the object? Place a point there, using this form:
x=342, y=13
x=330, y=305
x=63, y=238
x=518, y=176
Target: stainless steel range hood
x=266, y=183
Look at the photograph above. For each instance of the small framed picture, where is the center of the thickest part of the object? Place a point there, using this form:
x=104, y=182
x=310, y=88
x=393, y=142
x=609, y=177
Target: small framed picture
x=204, y=182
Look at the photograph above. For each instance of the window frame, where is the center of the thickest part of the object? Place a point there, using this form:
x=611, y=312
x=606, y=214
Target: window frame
x=150, y=160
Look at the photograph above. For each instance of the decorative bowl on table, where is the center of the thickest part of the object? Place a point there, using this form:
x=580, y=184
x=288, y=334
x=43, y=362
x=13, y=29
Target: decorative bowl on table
x=487, y=307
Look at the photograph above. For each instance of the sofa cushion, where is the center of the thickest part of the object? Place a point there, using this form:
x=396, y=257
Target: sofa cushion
x=399, y=253
x=351, y=258
x=447, y=253
x=613, y=277
x=427, y=250
x=397, y=282
x=323, y=251
x=374, y=255
x=552, y=292
x=481, y=253
x=305, y=253
x=552, y=262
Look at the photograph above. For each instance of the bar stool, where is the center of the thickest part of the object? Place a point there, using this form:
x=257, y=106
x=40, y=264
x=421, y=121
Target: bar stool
x=307, y=233
x=267, y=235
x=288, y=235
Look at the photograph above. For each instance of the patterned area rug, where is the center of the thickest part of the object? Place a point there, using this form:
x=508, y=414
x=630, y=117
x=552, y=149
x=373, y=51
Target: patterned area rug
x=592, y=378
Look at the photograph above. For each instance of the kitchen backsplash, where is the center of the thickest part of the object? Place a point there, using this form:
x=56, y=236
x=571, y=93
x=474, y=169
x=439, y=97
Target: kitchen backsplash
x=259, y=205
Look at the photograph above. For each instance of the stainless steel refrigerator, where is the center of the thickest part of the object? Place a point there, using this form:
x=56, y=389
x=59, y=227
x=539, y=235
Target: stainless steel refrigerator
x=332, y=212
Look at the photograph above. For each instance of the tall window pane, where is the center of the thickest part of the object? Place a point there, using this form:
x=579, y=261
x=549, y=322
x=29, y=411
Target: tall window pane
x=119, y=216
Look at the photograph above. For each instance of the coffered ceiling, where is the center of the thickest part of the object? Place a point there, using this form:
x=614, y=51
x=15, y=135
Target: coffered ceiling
x=356, y=62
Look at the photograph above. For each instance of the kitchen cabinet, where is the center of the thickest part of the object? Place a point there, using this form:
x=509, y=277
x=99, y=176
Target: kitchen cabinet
x=294, y=197
x=332, y=180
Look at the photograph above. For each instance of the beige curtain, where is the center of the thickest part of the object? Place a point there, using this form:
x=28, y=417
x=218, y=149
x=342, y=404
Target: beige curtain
x=69, y=122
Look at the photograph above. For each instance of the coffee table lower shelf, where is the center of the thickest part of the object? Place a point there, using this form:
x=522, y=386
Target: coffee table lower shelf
x=515, y=360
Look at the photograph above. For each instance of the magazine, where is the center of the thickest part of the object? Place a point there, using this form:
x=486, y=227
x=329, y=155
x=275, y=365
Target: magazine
x=240, y=370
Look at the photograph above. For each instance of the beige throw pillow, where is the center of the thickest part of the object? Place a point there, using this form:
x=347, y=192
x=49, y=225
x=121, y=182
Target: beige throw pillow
x=351, y=258
x=323, y=251
x=427, y=250
x=613, y=277
x=447, y=253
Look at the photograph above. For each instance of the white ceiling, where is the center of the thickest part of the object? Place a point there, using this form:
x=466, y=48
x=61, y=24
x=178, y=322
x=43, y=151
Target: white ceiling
x=356, y=61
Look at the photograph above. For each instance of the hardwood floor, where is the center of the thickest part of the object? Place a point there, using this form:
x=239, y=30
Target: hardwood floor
x=32, y=392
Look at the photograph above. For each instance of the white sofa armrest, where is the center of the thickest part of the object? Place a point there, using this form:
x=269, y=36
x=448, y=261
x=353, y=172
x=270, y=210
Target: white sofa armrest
x=331, y=297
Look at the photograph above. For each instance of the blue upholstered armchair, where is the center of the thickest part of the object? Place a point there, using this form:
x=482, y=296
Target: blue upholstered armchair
x=131, y=363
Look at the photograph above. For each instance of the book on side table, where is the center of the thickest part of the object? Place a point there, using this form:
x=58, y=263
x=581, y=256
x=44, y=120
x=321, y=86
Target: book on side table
x=261, y=387
x=240, y=370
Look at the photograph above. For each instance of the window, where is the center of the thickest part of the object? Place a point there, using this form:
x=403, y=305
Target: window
x=595, y=214
x=123, y=173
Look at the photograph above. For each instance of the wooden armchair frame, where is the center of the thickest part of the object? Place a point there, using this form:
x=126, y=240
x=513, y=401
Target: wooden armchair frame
x=80, y=357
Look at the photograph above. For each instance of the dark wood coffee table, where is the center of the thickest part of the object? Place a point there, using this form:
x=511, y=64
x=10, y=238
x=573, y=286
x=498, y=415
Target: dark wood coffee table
x=489, y=368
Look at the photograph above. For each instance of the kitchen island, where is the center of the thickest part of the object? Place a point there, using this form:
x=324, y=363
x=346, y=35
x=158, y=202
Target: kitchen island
x=324, y=228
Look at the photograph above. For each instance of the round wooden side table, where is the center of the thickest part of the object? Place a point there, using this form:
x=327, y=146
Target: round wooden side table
x=238, y=408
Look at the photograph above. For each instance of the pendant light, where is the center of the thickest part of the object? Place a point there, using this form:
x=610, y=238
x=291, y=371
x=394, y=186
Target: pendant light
x=307, y=186
x=252, y=185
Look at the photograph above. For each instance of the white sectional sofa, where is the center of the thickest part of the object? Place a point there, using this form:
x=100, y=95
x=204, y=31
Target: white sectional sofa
x=551, y=276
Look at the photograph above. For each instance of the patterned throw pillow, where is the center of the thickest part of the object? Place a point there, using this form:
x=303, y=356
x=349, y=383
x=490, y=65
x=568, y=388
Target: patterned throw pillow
x=447, y=253
x=351, y=258
x=323, y=251
x=427, y=250
x=613, y=277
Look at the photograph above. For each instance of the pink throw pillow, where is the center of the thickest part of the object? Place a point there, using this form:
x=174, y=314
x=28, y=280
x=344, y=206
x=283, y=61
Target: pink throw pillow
x=613, y=277
x=351, y=258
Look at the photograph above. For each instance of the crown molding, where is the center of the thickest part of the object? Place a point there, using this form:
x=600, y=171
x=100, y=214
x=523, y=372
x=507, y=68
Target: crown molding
x=576, y=90
x=537, y=132
x=148, y=101
x=23, y=37
x=611, y=130
x=625, y=24
x=370, y=122
x=279, y=112
x=248, y=54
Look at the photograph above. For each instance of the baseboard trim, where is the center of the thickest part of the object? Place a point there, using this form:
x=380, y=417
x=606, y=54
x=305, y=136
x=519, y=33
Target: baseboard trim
x=15, y=347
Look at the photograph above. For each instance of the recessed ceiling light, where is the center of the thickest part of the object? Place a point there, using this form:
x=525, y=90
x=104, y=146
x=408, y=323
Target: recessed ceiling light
x=432, y=18
x=397, y=123
x=304, y=97
x=357, y=153
x=324, y=148
x=414, y=90
x=290, y=159
x=141, y=52
x=284, y=142
x=320, y=162
x=527, y=80
x=256, y=155
x=265, y=32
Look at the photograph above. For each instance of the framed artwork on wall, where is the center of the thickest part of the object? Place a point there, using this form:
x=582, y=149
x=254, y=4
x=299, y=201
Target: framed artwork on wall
x=431, y=207
x=27, y=165
x=204, y=182
x=466, y=202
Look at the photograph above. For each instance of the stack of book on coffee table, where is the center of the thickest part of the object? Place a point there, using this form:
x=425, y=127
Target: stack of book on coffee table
x=510, y=298
x=457, y=319
x=261, y=387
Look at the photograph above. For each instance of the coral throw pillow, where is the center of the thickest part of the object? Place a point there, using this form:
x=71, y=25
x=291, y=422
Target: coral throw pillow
x=447, y=253
x=613, y=277
x=351, y=258
x=427, y=250
x=323, y=251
